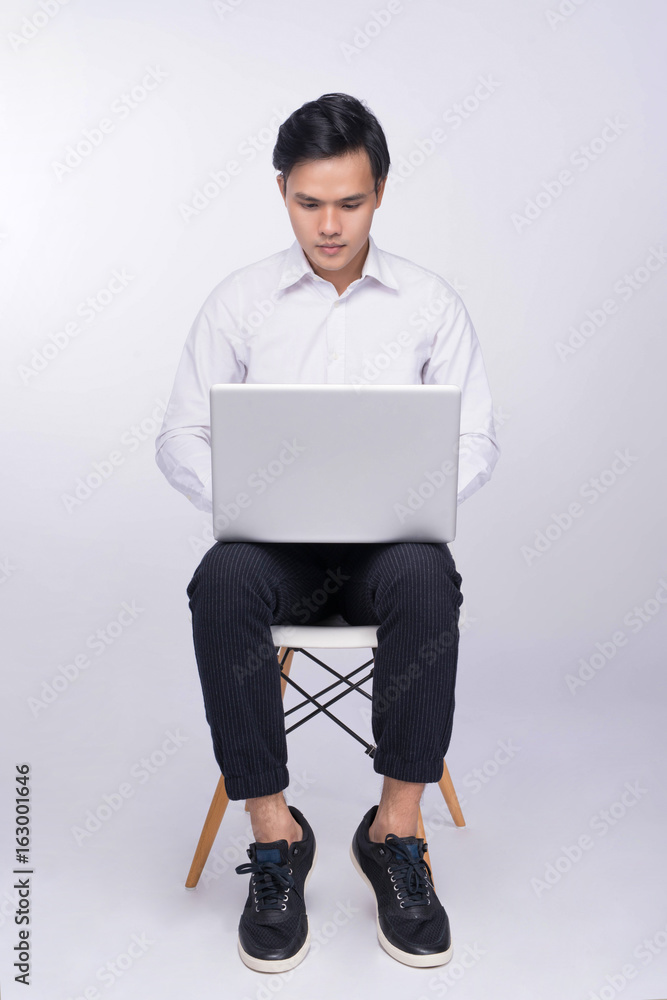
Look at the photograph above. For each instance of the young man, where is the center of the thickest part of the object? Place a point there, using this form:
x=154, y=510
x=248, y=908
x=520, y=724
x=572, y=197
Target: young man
x=331, y=308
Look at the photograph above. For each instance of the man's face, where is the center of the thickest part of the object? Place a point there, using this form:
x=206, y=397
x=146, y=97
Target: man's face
x=332, y=202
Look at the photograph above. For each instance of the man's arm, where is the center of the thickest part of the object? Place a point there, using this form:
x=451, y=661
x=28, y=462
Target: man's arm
x=456, y=359
x=212, y=353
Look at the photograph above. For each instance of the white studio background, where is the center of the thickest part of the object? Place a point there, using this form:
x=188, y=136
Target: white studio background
x=540, y=196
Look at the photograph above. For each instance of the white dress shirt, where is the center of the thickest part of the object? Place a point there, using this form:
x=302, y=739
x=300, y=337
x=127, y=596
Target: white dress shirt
x=277, y=321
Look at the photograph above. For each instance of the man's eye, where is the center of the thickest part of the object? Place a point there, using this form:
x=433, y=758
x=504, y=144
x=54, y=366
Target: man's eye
x=311, y=204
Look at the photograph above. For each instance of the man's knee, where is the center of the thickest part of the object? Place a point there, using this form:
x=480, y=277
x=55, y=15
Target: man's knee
x=422, y=564
x=224, y=566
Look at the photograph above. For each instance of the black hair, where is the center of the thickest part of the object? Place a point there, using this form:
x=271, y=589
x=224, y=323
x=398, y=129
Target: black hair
x=332, y=125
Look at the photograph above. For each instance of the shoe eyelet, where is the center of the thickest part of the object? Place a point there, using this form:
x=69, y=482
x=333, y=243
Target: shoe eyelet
x=284, y=906
x=428, y=902
x=256, y=908
x=399, y=896
x=393, y=879
x=390, y=870
x=395, y=887
x=401, y=905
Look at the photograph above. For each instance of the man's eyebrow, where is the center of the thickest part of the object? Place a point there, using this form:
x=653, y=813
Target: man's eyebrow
x=351, y=197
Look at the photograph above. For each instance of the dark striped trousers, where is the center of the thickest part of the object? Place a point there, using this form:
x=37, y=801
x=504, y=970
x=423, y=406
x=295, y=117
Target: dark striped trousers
x=411, y=590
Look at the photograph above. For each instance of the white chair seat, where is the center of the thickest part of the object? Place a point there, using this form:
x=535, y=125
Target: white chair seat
x=330, y=633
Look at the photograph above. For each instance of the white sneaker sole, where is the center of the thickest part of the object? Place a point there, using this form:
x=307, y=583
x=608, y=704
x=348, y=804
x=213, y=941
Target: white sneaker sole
x=283, y=964
x=416, y=961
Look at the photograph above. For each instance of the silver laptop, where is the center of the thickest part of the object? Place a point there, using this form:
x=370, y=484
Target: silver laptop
x=334, y=463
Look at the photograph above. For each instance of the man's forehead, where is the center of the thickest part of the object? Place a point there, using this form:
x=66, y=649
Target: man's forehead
x=352, y=173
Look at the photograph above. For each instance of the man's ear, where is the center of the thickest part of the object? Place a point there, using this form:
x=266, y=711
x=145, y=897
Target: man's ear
x=281, y=185
x=380, y=191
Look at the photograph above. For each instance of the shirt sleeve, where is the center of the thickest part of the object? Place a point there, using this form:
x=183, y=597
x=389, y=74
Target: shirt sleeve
x=456, y=359
x=213, y=353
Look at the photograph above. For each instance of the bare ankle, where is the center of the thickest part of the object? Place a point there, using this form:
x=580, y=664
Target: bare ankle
x=378, y=831
x=271, y=820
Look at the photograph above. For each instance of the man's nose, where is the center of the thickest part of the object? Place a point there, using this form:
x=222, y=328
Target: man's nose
x=330, y=221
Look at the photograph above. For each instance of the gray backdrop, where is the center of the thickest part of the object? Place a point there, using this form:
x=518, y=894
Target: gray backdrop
x=528, y=151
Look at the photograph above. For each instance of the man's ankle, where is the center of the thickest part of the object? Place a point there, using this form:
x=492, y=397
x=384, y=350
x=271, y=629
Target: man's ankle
x=271, y=820
x=268, y=833
x=400, y=828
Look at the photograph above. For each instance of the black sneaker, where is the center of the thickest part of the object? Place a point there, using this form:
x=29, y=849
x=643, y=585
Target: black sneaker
x=273, y=931
x=412, y=924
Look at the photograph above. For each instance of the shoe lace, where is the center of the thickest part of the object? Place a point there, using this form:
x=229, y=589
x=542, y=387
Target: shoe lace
x=412, y=877
x=270, y=883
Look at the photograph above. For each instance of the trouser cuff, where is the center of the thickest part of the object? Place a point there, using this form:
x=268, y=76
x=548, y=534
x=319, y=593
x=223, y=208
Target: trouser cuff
x=408, y=770
x=251, y=786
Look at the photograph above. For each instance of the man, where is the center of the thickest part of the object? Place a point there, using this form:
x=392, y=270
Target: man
x=332, y=308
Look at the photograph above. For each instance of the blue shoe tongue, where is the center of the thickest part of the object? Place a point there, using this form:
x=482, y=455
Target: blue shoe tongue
x=411, y=846
x=272, y=854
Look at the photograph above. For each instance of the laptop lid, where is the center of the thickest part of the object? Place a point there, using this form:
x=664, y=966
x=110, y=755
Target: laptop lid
x=334, y=462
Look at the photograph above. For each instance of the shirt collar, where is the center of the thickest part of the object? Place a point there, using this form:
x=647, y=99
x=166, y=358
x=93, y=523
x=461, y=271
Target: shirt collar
x=375, y=266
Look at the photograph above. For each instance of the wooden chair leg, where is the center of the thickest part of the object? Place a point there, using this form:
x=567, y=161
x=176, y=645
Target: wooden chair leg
x=209, y=831
x=421, y=833
x=447, y=788
x=286, y=667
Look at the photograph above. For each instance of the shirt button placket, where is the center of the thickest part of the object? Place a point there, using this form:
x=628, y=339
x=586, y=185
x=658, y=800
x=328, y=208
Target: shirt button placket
x=336, y=356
